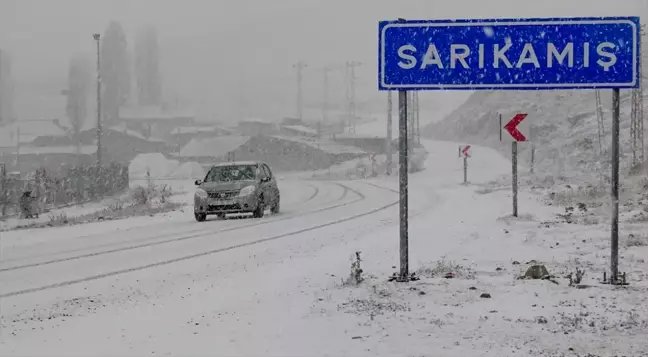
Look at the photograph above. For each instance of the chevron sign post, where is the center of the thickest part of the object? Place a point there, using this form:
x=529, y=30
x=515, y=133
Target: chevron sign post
x=512, y=128
x=464, y=151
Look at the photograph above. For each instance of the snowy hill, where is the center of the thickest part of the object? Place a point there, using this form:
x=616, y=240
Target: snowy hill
x=564, y=128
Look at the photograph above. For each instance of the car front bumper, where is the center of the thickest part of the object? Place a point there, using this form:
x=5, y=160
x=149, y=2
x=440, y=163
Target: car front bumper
x=244, y=204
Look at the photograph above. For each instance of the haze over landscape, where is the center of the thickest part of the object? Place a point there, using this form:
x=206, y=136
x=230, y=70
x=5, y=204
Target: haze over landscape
x=216, y=55
x=245, y=195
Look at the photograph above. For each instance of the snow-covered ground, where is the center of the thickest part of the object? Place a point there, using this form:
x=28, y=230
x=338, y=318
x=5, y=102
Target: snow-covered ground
x=167, y=285
x=145, y=170
x=181, y=191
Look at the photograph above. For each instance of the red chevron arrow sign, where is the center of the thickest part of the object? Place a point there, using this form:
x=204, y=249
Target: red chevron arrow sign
x=466, y=151
x=511, y=127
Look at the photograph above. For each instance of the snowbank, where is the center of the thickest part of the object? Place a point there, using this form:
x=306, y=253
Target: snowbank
x=152, y=166
x=189, y=170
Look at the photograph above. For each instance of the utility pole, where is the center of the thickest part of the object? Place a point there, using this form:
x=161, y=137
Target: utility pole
x=17, y=148
x=299, y=66
x=97, y=37
x=351, y=87
x=325, y=94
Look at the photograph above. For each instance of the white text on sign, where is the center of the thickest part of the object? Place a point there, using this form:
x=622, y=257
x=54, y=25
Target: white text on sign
x=460, y=54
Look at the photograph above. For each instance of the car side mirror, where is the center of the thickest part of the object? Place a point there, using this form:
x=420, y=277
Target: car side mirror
x=197, y=182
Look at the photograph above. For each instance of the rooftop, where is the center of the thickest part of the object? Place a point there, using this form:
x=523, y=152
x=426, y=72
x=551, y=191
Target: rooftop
x=153, y=112
x=49, y=150
x=193, y=130
x=301, y=128
x=213, y=147
x=121, y=128
x=324, y=145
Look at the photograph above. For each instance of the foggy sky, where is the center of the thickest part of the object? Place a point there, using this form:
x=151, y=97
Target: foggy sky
x=210, y=46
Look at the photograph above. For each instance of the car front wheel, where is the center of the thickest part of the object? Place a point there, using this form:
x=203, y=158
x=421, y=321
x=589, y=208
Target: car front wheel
x=275, y=206
x=260, y=208
x=200, y=217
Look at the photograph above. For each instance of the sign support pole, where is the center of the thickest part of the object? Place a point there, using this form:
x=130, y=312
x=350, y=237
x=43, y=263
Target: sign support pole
x=532, y=149
x=3, y=172
x=5, y=192
x=514, y=155
x=500, y=126
x=388, y=144
x=614, y=251
x=465, y=160
x=402, y=182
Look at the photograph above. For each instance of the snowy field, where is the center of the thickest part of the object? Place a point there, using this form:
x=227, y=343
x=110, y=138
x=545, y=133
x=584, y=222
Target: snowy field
x=280, y=285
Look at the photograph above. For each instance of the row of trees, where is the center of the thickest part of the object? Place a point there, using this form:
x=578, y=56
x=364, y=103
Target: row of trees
x=116, y=64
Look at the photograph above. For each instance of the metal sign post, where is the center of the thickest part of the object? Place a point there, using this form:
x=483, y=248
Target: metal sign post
x=512, y=128
x=532, y=149
x=614, y=249
x=3, y=177
x=388, y=139
x=465, y=152
x=402, y=185
x=514, y=155
x=465, y=160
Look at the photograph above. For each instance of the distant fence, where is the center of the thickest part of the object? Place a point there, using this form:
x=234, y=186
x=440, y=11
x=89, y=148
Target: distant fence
x=50, y=190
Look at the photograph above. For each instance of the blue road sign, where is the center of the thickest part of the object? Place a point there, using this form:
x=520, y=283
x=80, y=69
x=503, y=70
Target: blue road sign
x=511, y=54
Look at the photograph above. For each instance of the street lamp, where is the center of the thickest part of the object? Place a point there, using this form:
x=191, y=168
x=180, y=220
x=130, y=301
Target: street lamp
x=97, y=37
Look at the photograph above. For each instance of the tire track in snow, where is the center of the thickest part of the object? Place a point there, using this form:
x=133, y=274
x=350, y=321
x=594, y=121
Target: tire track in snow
x=316, y=192
x=210, y=252
x=199, y=233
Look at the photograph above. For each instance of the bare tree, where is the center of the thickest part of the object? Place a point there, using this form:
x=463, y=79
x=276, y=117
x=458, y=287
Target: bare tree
x=147, y=67
x=79, y=83
x=115, y=74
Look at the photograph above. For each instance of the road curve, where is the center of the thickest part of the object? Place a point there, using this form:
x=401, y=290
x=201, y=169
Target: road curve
x=72, y=261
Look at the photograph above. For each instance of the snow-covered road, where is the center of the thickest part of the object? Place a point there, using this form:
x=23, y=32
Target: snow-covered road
x=273, y=286
x=54, y=280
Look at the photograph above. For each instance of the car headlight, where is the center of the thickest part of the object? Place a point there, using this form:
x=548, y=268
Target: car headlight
x=246, y=191
x=200, y=193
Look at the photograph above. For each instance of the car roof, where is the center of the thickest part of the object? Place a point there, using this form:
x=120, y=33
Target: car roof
x=237, y=163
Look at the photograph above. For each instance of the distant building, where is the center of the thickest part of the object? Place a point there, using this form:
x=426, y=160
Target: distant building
x=6, y=89
x=155, y=120
x=252, y=127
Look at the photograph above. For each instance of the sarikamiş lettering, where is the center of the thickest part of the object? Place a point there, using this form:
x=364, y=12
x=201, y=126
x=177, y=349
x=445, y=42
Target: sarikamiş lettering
x=459, y=53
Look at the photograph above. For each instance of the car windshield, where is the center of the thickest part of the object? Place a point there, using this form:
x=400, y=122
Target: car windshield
x=231, y=173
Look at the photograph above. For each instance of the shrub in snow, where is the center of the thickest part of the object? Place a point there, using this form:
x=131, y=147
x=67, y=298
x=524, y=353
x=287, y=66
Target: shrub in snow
x=58, y=219
x=355, y=275
x=116, y=206
x=165, y=193
x=141, y=195
x=575, y=279
x=112, y=212
x=446, y=268
x=637, y=240
x=147, y=195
